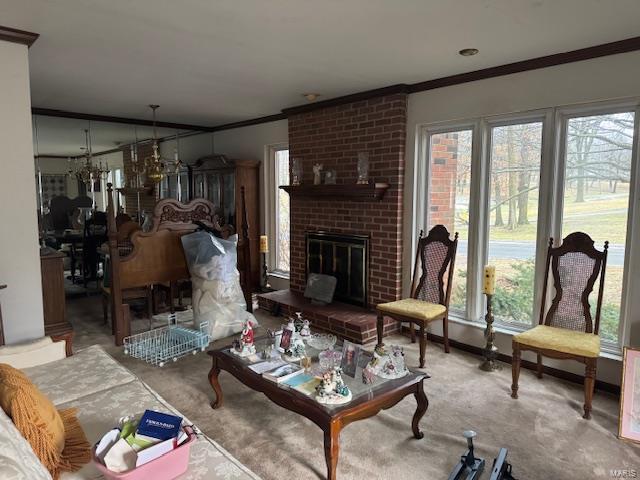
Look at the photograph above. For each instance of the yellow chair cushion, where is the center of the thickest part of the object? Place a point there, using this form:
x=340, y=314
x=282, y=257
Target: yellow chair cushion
x=412, y=308
x=55, y=436
x=560, y=340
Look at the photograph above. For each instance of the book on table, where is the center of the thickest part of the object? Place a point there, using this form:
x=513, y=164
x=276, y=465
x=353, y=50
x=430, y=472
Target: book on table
x=283, y=372
x=303, y=383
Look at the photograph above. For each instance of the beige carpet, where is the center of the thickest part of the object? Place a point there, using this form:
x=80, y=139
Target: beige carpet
x=544, y=431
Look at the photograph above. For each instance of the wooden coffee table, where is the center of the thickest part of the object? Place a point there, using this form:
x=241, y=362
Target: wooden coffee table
x=367, y=401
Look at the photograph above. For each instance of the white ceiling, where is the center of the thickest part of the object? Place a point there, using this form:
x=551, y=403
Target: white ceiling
x=65, y=136
x=210, y=62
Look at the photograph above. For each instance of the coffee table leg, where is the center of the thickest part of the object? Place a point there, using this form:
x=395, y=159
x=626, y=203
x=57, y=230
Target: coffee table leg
x=213, y=380
x=331, y=449
x=423, y=404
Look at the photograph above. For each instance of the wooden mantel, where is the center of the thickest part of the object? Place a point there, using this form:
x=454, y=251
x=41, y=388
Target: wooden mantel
x=370, y=191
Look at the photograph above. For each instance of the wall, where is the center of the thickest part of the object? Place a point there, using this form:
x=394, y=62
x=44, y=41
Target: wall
x=593, y=80
x=252, y=143
x=20, y=259
x=333, y=137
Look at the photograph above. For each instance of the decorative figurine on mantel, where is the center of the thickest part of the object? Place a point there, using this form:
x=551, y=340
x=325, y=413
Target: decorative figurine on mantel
x=317, y=174
x=363, y=168
x=246, y=346
x=490, y=350
x=296, y=172
x=332, y=389
x=330, y=177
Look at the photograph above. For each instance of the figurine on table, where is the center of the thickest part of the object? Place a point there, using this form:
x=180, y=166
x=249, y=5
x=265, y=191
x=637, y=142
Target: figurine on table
x=332, y=390
x=305, y=331
x=246, y=346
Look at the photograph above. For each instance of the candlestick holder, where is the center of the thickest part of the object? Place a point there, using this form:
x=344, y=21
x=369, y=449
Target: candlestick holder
x=265, y=279
x=490, y=350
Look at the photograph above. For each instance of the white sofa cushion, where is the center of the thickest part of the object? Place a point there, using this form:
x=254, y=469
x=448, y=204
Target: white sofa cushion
x=17, y=460
x=88, y=371
x=99, y=412
x=32, y=353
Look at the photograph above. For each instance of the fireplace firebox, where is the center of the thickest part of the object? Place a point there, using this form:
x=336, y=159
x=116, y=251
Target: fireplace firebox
x=344, y=256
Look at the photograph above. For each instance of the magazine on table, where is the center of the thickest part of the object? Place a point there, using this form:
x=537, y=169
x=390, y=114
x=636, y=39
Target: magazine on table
x=283, y=372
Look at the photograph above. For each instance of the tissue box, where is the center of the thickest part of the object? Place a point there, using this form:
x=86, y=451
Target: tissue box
x=167, y=467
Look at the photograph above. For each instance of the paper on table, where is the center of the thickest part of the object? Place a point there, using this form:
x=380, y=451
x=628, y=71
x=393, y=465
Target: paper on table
x=266, y=366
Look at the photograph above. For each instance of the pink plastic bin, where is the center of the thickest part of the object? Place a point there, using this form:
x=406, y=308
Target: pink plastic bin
x=167, y=467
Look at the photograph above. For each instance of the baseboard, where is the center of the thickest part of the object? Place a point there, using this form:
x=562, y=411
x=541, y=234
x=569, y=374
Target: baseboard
x=554, y=372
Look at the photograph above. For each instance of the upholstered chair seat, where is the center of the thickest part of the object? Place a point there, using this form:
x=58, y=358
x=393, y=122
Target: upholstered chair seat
x=561, y=340
x=414, y=308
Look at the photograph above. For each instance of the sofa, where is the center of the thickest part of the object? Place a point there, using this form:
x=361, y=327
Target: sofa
x=102, y=391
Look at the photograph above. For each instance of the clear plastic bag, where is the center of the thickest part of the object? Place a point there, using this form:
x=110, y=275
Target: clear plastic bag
x=216, y=293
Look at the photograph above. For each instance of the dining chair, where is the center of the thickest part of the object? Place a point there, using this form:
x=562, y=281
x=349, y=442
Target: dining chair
x=568, y=330
x=429, y=301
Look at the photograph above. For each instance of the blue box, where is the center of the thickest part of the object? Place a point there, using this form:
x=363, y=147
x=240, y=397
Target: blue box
x=159, y=425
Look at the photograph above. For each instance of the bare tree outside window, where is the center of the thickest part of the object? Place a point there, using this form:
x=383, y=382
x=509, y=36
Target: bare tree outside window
x=516, y=152
x=596, y=197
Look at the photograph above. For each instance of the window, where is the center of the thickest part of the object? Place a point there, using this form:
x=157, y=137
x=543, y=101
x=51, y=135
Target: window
x=598, y=153
x=449, y=193
x=515, y=159
x=282, y=244
x=508, y=183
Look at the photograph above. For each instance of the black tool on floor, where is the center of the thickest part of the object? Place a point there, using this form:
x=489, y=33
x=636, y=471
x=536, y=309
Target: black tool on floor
x=501, y=469
x=469, y=467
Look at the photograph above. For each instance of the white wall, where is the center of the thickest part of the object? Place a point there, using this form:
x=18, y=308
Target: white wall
x=19, y=251
x=605, y=78
x=252, y=143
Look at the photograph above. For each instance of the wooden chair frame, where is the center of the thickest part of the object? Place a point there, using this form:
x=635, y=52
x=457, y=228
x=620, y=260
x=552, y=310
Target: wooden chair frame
x=438, y=233
x=581, y=243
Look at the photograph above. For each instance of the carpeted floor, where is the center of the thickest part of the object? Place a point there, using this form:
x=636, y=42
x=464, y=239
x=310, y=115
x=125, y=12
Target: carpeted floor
x=543, y=430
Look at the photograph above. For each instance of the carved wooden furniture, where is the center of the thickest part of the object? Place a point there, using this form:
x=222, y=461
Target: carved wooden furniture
x=2, y=287
x=568, y=330
x=429, y=301
x=330, y=418
x=220, y=180
x=157, y=256
x=53, y=298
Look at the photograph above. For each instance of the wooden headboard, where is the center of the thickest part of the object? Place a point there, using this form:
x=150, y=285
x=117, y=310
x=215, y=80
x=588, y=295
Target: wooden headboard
x=157, y=256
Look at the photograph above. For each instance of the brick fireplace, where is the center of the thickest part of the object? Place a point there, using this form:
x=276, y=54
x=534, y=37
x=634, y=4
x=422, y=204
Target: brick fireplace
x=333, y=136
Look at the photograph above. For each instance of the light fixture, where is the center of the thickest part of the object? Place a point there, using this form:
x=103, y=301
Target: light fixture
x=468, y=52
x=87, y=171
x=311, y=97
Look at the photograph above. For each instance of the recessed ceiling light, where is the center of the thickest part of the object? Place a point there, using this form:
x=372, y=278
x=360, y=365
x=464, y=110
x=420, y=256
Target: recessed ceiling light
x=468, y=52
x=312, y=97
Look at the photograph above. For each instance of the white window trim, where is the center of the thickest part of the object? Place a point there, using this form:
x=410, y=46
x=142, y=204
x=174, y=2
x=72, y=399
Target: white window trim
x=271, y=201
x=551, y=193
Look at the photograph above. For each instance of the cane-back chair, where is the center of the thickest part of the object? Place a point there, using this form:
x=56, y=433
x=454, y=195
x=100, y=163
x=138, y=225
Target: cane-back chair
x=568, y=330
x=436, y=255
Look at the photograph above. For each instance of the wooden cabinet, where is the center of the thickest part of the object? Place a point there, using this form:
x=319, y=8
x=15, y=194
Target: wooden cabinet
x=53, y=300
x=219, y=179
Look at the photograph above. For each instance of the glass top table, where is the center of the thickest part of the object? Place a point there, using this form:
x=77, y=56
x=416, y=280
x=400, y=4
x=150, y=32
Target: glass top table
x=367, y=399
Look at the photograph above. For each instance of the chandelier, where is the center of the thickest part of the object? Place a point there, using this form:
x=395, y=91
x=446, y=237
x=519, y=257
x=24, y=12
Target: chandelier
x=87, y=171
x=155, y=168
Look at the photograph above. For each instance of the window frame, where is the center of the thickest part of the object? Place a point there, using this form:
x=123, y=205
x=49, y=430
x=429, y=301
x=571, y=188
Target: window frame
x=629, y=301
x=272, y=212
x=550, y=204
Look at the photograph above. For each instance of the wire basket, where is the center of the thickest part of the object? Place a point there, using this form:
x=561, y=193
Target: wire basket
x=160, y=345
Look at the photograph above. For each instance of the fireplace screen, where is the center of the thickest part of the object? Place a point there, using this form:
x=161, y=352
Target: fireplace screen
x=346, y=257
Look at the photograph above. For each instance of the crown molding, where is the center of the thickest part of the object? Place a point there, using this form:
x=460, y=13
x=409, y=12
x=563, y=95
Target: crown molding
x=588, y=53
x=14, y=35
x=48, y=112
